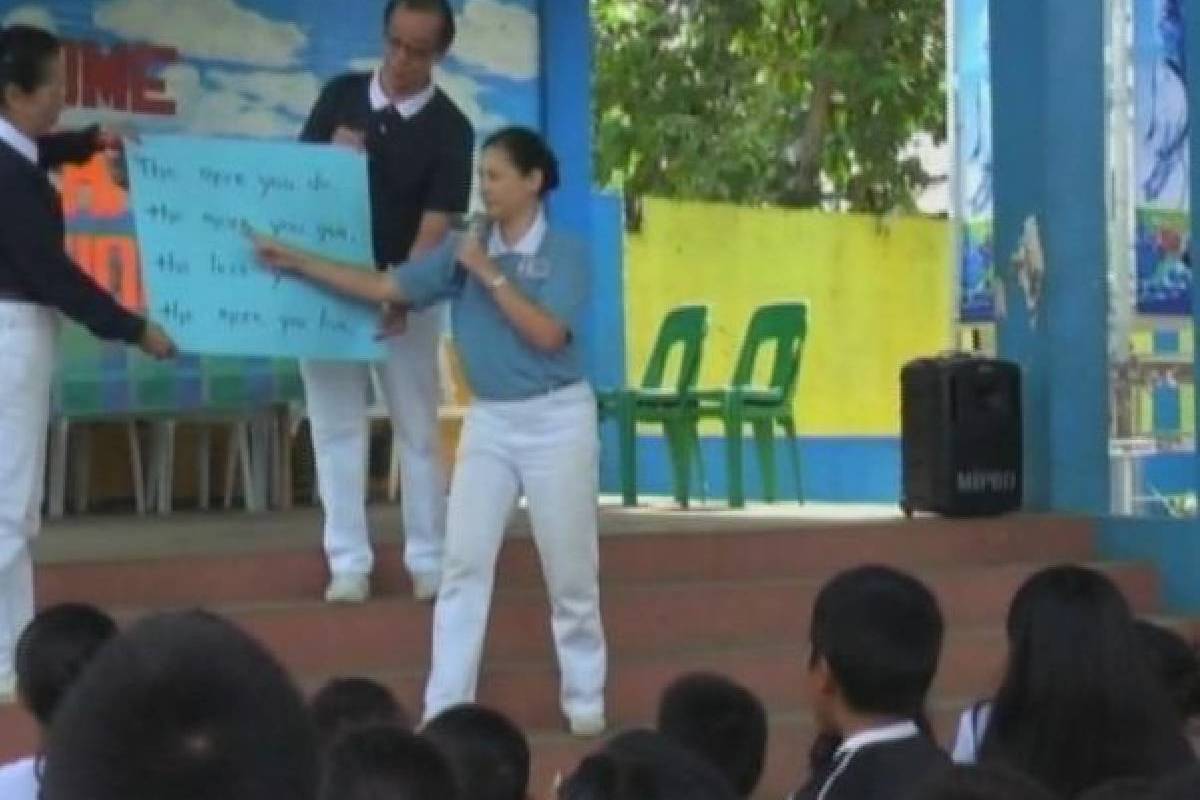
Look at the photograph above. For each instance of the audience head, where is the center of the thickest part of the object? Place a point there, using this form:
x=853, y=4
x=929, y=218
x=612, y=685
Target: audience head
x=722, y=722
x=53, y=651
x=185, y=706
x=1176, y=662
x=385, y=762
x=344, y=703
x=487, y=753
x=986, y=782
x=1079, y=705
x=876, y=638
x=645, y=765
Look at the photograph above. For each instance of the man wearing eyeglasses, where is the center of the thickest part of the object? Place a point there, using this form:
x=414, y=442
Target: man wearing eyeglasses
x=419, y=148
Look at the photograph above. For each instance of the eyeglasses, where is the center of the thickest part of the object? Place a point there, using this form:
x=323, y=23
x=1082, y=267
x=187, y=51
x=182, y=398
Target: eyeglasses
x=413, y=52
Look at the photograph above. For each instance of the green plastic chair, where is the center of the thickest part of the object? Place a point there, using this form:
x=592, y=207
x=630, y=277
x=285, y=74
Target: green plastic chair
x=658, y=399
x=785, y=326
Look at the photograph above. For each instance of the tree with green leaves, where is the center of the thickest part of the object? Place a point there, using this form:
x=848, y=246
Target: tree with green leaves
x=785, y=102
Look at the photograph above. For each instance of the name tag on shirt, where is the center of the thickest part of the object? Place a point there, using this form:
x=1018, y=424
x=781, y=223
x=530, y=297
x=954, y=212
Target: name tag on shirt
x=533, y=267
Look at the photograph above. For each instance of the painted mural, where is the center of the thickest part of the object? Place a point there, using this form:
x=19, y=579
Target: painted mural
x=249, y=68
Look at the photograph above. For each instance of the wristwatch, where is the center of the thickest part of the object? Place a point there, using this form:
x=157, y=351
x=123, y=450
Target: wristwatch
x=498, y=281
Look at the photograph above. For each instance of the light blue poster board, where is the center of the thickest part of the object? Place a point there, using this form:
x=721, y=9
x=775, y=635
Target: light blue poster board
x=194, y=199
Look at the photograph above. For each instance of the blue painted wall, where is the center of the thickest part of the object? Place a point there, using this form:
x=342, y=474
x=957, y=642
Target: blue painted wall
x=850, y=469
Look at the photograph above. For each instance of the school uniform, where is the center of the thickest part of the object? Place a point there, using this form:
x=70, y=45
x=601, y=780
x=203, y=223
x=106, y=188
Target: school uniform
x=37, y=280
x=968, y=739
x=419, y=154
x=531, y=429
x=887, y=763
x=19, y=780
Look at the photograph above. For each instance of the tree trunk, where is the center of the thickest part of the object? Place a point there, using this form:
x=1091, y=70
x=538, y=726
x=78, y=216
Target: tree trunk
x=810, y=149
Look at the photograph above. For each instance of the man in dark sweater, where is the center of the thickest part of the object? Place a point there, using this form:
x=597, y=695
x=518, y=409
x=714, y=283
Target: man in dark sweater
x=37, y=280
x=419, y=149
x=876, y=639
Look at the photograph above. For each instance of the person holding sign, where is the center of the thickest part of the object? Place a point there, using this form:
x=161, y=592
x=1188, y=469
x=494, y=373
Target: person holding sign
x=419, y=148
x=517, y=292
x=38, y=278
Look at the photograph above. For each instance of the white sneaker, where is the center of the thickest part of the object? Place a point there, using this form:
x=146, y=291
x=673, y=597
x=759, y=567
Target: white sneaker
x=349, y=588
x=425, y=587
x=587, y=726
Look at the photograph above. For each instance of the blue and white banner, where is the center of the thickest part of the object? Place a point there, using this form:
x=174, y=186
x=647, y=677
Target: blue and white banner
x=973, y=173
x=1162, y=159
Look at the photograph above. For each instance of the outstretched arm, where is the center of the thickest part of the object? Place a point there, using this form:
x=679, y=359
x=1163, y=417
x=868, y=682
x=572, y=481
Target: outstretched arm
x=358, y=283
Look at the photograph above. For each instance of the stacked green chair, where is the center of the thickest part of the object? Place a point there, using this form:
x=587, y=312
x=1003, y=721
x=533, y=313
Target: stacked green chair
x=783, y=326
x=662, y=400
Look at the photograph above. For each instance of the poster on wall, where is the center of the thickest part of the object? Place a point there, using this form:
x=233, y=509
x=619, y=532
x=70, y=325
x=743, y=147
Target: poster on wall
x=973, y=159
x=1162, y=159
x=241, y=68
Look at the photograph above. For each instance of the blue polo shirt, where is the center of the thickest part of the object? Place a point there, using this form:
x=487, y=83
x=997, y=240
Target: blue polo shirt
x=499, y=364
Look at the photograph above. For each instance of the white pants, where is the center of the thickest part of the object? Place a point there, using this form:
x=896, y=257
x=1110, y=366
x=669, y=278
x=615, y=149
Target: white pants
x=28, y=339
x=337, y=409
x=546, y=447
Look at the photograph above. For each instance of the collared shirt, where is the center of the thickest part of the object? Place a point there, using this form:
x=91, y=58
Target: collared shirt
x=19, y=780
x=414, y=166
x=529, y=244
x=846, y=751
x=499, y=364
x=18, y=141
x=407, y=107
x=972, y=727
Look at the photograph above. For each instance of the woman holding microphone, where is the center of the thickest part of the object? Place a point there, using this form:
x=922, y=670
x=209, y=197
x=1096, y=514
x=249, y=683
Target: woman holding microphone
x=37, y=280
x=517, y=291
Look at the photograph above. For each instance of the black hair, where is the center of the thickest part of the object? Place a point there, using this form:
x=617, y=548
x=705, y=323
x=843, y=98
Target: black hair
x=344, y=703
x=645, y=765
x=384, y=762
x=486, y=751
x=182, y=705
x=53, y=651
x=1176, y=662
x=441, y=7
x=1079, y=704
x=983, y=782
x=722, y=722
x=528, y=151
x=26, y=54
x=880, y=632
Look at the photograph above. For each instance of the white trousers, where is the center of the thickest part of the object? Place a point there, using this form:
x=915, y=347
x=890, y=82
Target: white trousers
x=28, y=340
x=546, y=447
x=337, y=409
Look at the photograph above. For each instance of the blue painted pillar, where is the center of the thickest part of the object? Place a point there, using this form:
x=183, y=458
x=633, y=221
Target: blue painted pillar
x=566, y=43
x=1049, y=143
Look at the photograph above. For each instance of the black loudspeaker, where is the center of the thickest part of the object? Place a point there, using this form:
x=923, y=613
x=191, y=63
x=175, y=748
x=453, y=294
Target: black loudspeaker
x=960, y=436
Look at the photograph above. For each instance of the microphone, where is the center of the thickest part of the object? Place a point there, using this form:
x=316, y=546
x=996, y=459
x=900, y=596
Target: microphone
x=475, y=222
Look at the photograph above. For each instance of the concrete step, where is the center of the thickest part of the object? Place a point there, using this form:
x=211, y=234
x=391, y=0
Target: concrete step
x=294, y=572
x=639, y=618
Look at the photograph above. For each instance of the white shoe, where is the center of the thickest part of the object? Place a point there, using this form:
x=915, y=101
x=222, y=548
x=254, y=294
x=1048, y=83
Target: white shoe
x=587, y=726
x=425, y=587
x=349, y=588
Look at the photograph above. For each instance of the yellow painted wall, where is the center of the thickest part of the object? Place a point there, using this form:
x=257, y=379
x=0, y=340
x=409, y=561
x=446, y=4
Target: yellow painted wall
x=879, y=294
